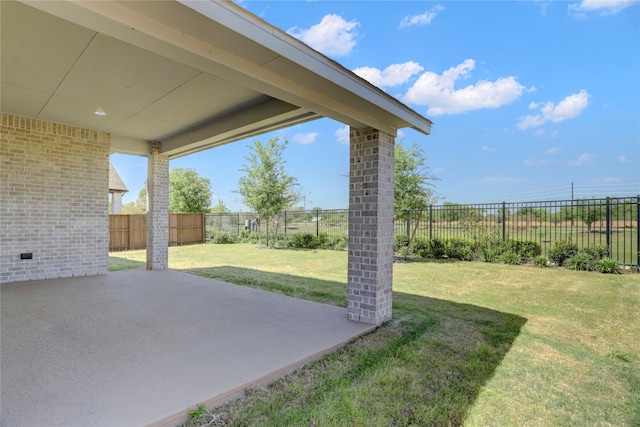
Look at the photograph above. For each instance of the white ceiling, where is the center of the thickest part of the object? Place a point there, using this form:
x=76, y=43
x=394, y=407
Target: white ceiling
x=164, y=72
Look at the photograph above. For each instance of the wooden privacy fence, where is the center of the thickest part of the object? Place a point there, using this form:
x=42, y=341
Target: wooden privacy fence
x=128, y=232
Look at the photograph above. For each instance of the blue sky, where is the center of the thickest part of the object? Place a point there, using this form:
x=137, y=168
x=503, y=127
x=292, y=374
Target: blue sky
x=526, y=97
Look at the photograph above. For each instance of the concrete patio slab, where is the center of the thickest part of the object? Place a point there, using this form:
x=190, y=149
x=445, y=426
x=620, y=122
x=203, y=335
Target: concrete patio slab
x=140, y=347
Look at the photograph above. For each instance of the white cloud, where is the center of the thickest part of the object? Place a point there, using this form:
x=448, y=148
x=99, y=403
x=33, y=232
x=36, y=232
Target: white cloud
x=439, y=170
x=422, y=19
x=623, y=159
x=584, y=159
x=438, y=91
x=539, y=162
x=332, y=36
x=488, y=149
x=305, y=138
x=569, y=108
x=342, y=135
x=552, y=150
x=393, y=75
x=605, y=7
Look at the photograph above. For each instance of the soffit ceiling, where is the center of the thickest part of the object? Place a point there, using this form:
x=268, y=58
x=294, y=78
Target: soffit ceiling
x=162, y=71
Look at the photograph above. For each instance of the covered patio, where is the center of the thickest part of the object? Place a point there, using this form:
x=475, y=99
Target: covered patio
x=140, y=347
x=162, y=80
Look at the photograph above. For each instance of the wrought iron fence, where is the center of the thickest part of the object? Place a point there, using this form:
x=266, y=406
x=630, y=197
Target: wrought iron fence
x=611, y=222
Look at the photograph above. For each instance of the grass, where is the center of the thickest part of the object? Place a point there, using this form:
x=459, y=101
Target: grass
x=470, y=344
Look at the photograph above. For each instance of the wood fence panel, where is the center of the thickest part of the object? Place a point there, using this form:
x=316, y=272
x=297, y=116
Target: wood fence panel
x=186, y=228
x=118, y=232
x=128, y=232
x=138, y=231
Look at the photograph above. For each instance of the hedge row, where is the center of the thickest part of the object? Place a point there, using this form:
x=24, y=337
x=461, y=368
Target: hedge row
x=296, y=240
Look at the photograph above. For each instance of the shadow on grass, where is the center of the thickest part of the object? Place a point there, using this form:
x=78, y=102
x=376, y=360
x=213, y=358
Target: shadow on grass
x=117, y=263
x=425, y=367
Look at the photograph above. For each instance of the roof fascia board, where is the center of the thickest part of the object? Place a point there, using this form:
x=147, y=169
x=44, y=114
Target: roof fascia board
x=243, y=22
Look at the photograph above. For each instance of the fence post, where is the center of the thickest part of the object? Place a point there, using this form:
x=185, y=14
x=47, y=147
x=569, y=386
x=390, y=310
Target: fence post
x=608, y=226
x=638, y=231
x=504, y=220
x=408, y=225
x=317, y=222
x=285, y=223
x=430, y=222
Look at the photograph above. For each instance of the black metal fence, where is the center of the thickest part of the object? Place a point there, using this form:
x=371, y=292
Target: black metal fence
x=611, y=222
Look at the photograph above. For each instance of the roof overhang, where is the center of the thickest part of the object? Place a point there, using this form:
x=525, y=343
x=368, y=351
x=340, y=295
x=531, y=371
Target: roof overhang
x=188, y=74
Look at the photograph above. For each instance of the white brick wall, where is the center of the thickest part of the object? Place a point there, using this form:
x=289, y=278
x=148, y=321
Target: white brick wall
x=54, y=182
x=371, y=187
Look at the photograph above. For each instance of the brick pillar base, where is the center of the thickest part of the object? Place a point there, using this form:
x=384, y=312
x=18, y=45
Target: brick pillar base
x=157, y=210
x=371, y=186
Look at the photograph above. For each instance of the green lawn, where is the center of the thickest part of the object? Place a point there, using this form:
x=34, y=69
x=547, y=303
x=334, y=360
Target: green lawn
x=472, y=344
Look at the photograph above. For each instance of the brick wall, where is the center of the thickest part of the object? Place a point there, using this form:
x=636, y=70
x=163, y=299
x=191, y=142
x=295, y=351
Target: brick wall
x=54, y=182
x=158, y=210
x=370, y=265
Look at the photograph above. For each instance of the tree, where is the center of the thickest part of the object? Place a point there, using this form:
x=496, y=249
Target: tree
x=412, y=194
x=140, y=205
x=266, y=187
x=188, y=191
x=220, y=208
x=589, y=212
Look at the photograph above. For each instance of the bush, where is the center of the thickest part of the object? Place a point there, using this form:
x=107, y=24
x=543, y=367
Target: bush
x=539, y=261
x=222, y=237
x=607, y=265
x=561, y=251
x=511, y=258
x=437, y=248
x=321, y=241
x=490, y=255
x=580, y=262
x=459, y=249
x=524, y=248
x=421, y=247
x=301, y=240
x=595, y=253
x=249, y=236
x=336, y=242
x=400, y=241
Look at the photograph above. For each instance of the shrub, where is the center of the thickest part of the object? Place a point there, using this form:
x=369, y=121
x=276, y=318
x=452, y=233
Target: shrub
x=400, y=241
x=222, y=237
x=490, y=255
x=595, y=253
x=607, y=265
x=539, y=261
x=437, y=248
x=580, y=262
x=524, y=248
x=301, y=240
x=511, y=258
x=421, y=247
x=249, y=236
x=459, y=249
x=336, y=242
x=561, y=251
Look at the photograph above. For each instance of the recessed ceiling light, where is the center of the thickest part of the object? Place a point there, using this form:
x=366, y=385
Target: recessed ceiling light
x=99, y=112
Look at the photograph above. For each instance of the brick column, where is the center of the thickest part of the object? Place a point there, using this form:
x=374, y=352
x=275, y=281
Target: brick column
x=371, y=189
x=157, y=210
